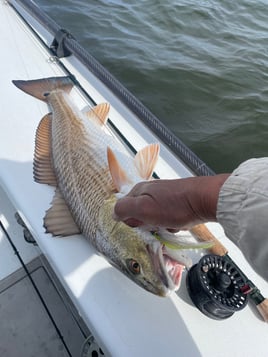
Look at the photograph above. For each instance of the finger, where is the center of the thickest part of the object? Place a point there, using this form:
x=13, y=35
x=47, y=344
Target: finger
x=133, y=222
x=173, y=230
x=123, y=208
x=130, y=208
x=139, y=189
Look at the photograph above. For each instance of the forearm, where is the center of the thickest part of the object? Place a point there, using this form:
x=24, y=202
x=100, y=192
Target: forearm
x=204, y=193
x=194, y=199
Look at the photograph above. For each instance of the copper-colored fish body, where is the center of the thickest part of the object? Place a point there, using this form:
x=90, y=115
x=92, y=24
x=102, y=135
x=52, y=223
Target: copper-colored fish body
x=79, y=162
x=90, y=170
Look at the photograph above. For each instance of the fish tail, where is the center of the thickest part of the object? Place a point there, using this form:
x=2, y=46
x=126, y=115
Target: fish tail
x=40, y=88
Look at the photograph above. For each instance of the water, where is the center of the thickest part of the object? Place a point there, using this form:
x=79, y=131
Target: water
x=200, y=66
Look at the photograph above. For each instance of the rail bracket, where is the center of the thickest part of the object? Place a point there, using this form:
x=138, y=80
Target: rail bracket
x=58, y=44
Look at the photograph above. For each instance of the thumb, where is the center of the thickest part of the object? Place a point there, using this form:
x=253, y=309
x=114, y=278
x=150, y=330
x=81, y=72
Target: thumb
x=123, y=208
x=128, y=209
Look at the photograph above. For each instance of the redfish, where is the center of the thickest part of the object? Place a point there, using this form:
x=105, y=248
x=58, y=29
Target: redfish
x=91, y=170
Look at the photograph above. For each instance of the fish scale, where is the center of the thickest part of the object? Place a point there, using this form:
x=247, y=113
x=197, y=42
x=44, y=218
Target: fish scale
x=79, y=162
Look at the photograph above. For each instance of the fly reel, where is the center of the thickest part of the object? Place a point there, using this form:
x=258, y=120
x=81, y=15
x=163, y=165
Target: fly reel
x=215, y=286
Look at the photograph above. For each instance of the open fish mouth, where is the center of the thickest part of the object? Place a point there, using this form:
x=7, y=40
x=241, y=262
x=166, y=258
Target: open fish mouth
x=174, y=270
x=169, y=265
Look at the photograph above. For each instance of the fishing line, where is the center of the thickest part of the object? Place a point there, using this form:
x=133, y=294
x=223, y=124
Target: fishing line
x=35, y=287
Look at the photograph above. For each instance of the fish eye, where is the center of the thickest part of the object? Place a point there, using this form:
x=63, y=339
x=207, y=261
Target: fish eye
x=133, y=266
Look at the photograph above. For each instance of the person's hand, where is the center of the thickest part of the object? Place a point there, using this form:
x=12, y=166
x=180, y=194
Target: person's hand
x=174, y=204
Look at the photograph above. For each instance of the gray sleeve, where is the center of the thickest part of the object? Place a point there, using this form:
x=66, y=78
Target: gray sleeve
x=243, y=211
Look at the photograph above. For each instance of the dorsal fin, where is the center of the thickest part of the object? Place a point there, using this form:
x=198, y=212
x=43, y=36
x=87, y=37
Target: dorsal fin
x=99, y=114
x=146, y=159
x=42, y=168
x=118, y=174
x=58, y=219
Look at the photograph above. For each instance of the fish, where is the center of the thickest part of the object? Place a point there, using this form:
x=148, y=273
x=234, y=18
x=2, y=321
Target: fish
x=91, y=170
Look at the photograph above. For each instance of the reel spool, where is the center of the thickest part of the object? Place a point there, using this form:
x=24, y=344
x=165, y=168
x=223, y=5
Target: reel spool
x=215, y=286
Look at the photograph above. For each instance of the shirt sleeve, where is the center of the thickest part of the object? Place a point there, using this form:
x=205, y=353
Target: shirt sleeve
x=242, y=210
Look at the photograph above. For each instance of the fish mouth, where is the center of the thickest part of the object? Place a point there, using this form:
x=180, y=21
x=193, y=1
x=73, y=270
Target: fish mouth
x=173, y=269
x=169, y=266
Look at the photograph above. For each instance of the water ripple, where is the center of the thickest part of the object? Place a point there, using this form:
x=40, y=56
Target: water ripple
x=201, y=67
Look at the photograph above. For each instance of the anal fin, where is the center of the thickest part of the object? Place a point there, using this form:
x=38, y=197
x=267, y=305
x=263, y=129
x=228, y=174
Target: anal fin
x=58, y=219
x=43, y=169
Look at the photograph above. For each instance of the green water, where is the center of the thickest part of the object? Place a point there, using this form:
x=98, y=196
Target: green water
x=200, y=66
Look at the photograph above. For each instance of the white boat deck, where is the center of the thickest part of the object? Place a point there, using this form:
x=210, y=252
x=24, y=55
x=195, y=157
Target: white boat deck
x=26, y=328
x=124, y=319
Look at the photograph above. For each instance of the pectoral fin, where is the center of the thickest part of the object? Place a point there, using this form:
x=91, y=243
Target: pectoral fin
x=43, y=170
x=146, y=159
x=99, y=114
x=118, y=174
x=58, y=219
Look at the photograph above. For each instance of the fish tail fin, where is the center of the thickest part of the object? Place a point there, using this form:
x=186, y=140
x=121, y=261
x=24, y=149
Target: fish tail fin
x=40, y=88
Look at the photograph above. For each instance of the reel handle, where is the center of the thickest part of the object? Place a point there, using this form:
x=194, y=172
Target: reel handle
x=202, y=233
